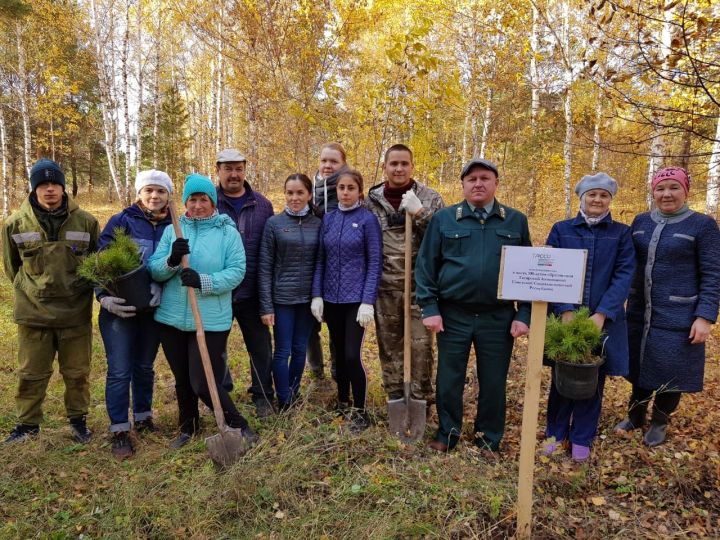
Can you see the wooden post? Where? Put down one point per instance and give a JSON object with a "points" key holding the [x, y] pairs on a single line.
{"points": [[533, 377]]}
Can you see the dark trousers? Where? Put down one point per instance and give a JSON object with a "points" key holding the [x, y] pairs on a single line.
{"points": [[130, 347], [259, 347], [664, 405], [348, 336], [183, 355], [315, 352], [575, 420], [489, 333], [292, 327]]}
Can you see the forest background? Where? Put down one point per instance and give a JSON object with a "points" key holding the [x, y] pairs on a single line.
{"points": [[549, 90]]}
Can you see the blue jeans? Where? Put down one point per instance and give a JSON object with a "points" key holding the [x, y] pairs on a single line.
{"points": [[130, 346], [293, 323], [575, 420]]}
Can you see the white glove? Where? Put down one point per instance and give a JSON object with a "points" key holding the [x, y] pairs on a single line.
{"points": [[365, 315], [316, 307], [410, 202], [156, 292], [114, 305]]}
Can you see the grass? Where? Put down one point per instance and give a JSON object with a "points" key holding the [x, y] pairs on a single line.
{"points": [[310, 478]]}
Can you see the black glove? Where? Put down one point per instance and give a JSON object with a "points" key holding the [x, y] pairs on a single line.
{"points": [[180, 247], [190, 278]]}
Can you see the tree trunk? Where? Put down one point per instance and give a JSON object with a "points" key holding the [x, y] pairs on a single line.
{"points": [[24, 110], [569, 128], [4, 171], [487, 116], [125, 99], [104, 86], [140, 80], [596, 134], [713, 183], [534, 106], [657, 149]]}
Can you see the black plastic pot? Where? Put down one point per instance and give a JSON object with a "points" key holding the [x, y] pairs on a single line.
{"points": [[134, 287], [577, 381]]}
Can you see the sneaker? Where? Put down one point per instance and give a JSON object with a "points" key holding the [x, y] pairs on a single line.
{"points": [[122, 445], [145, 426], [359, 421], [79, 429], [23, 432], [342, 409], [180, 441], [580, 453], [655, 434], [264, 409]]}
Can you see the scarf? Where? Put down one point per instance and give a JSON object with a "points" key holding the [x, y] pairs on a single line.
{"points": [[682, 210], [300, 213], [591, 220], [343, 208], [324, 182]]}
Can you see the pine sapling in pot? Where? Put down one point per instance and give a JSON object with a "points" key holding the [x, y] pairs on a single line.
{"points": [[573, 346], [118, 269]]}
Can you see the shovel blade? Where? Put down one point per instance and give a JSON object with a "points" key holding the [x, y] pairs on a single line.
{"points": [[225, 448], [406, 419]]}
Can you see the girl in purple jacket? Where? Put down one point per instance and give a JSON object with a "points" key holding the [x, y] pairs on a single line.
{"points": [[347, 276]]}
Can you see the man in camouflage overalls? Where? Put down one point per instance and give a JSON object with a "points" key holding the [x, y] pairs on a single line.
{"points": [[389, 201], [43, 244]]}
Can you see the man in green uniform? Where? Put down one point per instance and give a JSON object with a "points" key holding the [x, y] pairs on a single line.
{"points": [[43, 243], [456, 278]]}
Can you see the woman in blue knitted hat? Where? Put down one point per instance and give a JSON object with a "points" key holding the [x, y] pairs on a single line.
{"points": [[610, 267], [217, 265]]}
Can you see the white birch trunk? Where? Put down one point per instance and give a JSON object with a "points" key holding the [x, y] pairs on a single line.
{"points": [[596, 134], [140, 81], [534, 104], [713, 182], [657, 149], [103, 83], [24, 110], [125, 100], [569, 128], [4, 172], [487, 116]]}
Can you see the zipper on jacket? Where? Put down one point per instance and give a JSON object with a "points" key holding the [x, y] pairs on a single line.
{"points": [[342, 227]]}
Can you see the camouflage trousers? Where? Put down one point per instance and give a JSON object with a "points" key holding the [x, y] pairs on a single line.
{"points": [[389, 328], [37, 348]]}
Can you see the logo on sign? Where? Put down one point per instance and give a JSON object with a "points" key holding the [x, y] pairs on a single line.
{"points": [[543, 259]]}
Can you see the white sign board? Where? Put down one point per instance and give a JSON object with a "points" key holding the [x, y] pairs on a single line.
{"points": [[542, 274]]}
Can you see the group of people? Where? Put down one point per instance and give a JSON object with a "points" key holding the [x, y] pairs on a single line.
{"points": [[336, 256]]}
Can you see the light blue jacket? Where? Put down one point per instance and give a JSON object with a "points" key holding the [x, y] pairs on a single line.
{"points": [[217, 254]]}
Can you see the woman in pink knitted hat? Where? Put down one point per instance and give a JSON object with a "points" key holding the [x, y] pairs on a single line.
{"points": [[672, 305]]}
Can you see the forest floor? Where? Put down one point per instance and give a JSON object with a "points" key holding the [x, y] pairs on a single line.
{"points": [[311, 478]]}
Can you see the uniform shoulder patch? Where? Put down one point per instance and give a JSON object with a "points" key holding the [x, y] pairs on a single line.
{"points": [[502, 211], [458, 212]]}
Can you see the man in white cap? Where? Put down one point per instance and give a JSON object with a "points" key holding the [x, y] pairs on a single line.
{"points": [[249, 210]]}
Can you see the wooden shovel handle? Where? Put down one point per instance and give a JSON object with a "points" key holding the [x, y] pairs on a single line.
{"points": [[407, 326], [200, 333]]}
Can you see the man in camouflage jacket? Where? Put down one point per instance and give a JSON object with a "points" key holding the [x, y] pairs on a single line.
{"points": [[389, 201], [43, 244]]}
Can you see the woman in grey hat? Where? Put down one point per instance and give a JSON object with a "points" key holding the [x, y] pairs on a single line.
{"points": [[610, 267]]}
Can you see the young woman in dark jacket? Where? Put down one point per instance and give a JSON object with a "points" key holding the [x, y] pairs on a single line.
{"points": [[344, 289], [131, 339], [288, 251]]}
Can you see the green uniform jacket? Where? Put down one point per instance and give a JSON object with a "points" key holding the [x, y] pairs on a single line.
{"points": [[48, 291], [459, 258]]}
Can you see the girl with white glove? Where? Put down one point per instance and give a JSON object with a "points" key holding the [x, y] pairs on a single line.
{"points": [[347, 276]]}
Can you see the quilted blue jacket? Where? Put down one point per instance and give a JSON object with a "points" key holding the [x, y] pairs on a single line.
{"points": [[217, 254], [349, 263]]}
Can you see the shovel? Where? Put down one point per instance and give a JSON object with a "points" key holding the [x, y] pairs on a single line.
{"points": [[406, 416], [226, 447]]}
